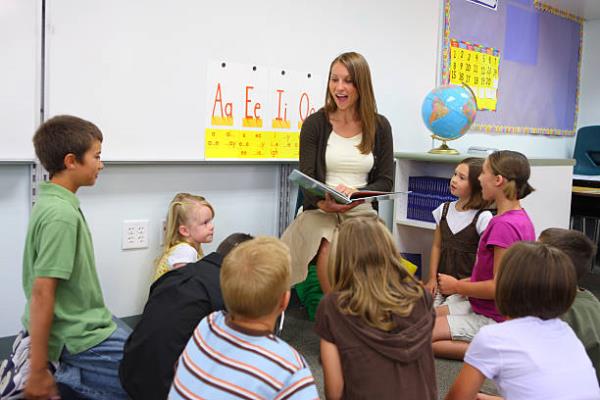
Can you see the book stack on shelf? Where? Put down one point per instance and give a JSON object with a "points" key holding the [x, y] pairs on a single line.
{"points": [[427, 193]]}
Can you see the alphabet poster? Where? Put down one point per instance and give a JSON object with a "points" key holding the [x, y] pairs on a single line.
{"points": [[256, 112]]}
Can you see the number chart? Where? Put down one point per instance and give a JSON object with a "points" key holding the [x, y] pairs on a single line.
{"points": [[477, 67]]}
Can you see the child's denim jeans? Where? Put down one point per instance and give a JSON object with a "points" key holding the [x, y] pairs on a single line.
{"points": [[94, 373]]}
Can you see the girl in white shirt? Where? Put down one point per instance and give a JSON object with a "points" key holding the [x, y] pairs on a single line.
{"points": [[459, 226], [189, 223], [532, 355]]}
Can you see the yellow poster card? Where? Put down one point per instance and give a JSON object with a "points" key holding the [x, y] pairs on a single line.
{"points": [[236, 143], [477, 67]]}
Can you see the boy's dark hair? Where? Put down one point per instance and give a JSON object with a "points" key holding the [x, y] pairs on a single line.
{"points": [[476, 201], [535, 279], [61, 135], [580, 249], [231, 241]]}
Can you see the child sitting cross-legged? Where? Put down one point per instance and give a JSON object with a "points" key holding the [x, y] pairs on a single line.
{"points": [[235, 354], [376, 324], [470, 303], [584, 315], [533, 354], [459, 225]]}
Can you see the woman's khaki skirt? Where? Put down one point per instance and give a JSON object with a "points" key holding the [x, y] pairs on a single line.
{"points": [[304, 235]]}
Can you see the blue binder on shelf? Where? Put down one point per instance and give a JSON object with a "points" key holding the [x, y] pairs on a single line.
{"points": [[426, 194]]}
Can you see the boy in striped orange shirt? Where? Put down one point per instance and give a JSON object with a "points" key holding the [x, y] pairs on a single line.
{"points": [[235, 354]]}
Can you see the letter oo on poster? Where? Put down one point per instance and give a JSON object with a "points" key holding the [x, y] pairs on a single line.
{"points": [[304, 108]]}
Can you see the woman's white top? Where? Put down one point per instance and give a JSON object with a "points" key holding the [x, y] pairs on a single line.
{"points": [[529, 358], [344, 162], [459, 220]]}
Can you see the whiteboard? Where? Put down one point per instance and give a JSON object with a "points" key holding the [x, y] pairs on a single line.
{"points": [[138, 68], [19, 77]]}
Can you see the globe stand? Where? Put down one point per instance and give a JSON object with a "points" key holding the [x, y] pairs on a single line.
{"points": [[443, 149]]}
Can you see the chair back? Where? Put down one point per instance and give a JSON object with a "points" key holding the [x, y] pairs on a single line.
{"points": [[587, 151]]}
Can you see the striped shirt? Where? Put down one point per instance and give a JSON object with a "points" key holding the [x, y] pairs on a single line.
{"points": [[222, 363]]}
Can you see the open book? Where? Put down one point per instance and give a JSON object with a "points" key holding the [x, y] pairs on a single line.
{"points": [[319, 189]]}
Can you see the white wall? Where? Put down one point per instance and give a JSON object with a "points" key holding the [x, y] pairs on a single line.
{"points": [[530, 145], [245, 198], [20, 68], [399, 39], [14, 214], [138, 68], [415, 56], [19, 113], [589, 100]]}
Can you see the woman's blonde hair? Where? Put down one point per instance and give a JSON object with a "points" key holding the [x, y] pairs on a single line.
{"points": [[366, 271], [179, 214], [514, 167], [366, 106]]}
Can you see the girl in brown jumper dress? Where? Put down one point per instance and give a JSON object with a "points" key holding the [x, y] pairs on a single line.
{"points": [[459, 225]]}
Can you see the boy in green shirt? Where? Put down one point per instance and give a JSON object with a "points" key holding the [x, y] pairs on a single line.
{"points": [[65, 314], [584, 315]]}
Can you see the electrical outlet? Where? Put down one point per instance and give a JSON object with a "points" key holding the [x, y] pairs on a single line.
{"points": [[162, 232], [135, 234]]}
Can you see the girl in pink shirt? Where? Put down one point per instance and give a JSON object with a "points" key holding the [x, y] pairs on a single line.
{"points": [[470, 304]]}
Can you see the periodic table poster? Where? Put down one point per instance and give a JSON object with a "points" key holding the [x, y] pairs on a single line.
{"points": [[477, 67]]}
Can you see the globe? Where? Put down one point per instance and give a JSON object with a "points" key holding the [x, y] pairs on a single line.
{"points": [[448, 112]]}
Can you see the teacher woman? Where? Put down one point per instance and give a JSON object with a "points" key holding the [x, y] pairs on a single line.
{"points": [[348, 146]]}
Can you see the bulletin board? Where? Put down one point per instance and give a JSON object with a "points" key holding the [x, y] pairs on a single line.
{"points": [[533, 58]]}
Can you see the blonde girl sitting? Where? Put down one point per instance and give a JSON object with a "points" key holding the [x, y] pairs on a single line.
{"points": [[189, 223]]}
